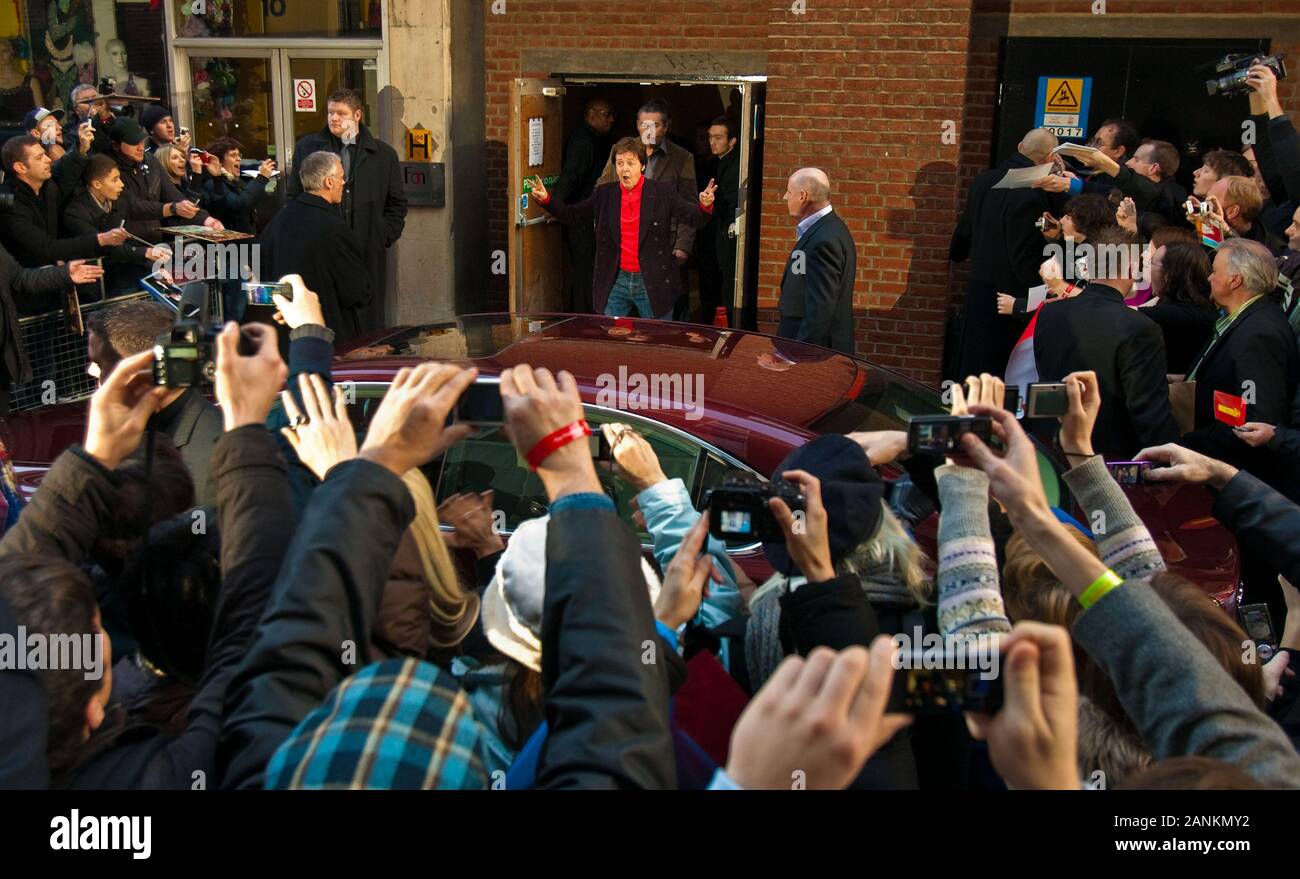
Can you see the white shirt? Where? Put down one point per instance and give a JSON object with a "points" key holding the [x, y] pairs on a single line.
{"points": [[806, 223]]}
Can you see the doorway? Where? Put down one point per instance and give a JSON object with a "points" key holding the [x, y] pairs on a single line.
{"points": [[268, 98], [550, 110]]}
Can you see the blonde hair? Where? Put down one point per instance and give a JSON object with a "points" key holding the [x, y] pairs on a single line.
{"points": [[164, 153], [1030, 588], [891, 549], [449, 602]]}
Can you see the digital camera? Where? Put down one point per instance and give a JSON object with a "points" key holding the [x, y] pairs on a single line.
{"points": [[186, 355], [738, 508], [1233, 69]]}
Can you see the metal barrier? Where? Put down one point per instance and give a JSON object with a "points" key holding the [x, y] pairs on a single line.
{"points": [[58, 356]]}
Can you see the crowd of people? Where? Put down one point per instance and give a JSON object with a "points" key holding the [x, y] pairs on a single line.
{"points": [[318, 629], [95, 202]]}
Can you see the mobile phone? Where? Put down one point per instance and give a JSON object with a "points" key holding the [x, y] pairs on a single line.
{"points": [[1046, 400], [1011, 399], [481, 405], [942, 433], [1258, 623], [969, 681], [1128, 472], [260, 294]]}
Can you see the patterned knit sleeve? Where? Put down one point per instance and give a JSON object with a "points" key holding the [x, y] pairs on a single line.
{"points": [[1123, 541], [970, 600]]}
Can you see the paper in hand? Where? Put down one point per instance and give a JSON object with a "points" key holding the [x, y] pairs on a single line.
{"points": [[1023, 178]]}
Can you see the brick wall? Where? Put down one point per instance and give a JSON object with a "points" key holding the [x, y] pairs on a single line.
{"points": [[861, 90]]}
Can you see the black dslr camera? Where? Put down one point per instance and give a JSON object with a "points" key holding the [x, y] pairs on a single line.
{"points": [[186, 355], [1231, 73], [738, 508]]}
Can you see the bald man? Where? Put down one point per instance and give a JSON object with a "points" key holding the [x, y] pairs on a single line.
{"points": [[817, 288], [997, 232]]}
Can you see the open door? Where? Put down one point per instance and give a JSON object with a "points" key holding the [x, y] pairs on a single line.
{"points": [[536, 126], [745, 228]]}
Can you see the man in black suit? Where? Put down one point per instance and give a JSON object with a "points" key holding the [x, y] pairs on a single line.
{"points": [[578, 176], [374, 202], [817, 288], [1252, 355], [309, 238], [1096, 331], [635, 272], [997, 232], [722, 143]]}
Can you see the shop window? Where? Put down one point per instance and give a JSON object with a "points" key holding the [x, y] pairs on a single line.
{"points": [[278, 18], [48, 46]]}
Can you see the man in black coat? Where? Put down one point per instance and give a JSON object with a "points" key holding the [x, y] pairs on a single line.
{"points": [[638, 277], [817, 287], [98, 209], [722, 143], [30, 291], [578, 176], [1252, 355], [30, 230], [1096, 331], [309, 238], [997, 232], [373, 201]]}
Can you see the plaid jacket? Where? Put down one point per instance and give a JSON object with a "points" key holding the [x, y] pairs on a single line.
{"points": [[397, 724]]}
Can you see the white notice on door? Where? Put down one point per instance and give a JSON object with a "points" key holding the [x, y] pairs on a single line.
{"points": [[534, 141], [304, 96]]}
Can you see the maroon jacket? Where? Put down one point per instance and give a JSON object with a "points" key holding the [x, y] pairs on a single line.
{"points": [[660, 204]]}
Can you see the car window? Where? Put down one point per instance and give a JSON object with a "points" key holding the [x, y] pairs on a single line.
{"points": [[488, 460]]}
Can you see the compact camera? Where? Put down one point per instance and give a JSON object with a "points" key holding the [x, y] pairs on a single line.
{"points": [[1041, 224], [738, 508], [921, 688], [941, 434], [1199, 208]]}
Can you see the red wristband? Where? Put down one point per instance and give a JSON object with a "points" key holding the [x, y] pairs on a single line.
{"points": [[555, 440]]}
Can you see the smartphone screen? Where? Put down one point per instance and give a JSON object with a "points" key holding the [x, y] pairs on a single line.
{"points": [[1128, 472], [260, 294]]}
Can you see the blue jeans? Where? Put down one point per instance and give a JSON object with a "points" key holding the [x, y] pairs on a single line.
{"points": [[628, 297]]}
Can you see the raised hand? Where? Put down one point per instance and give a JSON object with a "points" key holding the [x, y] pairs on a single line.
{"points": [[246, 386], [707, 196], [320, 433], [539, 189], [807, 537], [303, 308], [687, 576], [634, 458], [120, 409], [817, 720], [409, 427], [538, 404], [1083, 396]]}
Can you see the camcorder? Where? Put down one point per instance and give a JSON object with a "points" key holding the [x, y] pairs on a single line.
{"points": [[738, 508], [186, 355], [920, 688], [1232, 70]]}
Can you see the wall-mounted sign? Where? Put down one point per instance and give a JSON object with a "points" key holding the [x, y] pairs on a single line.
{"points": [[1062, 105], [304, 95]]}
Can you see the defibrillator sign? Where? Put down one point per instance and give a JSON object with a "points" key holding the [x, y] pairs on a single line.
{"points": [[1062, 105]]}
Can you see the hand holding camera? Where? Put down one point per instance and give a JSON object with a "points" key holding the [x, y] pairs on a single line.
{"points": [[1049, 226], [823, 716], [687, 578], [1183, 465], [1126, 215], [267, 168], [1033, 739], [320, 433], [540, 408], [1083, 402], [302, 308], [409, 427], [120, 410], [634, 458], [806, 537], [250, 373]]}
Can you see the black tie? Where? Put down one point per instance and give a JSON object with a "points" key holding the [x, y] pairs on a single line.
{"points": [[349, 149]]}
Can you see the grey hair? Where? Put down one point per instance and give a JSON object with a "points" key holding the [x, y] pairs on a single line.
{"points": [[315, 168], [78, 88], [1253, 262]]}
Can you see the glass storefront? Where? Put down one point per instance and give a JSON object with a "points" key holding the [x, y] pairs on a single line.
{"points": [[48, 46], [278, 19]]}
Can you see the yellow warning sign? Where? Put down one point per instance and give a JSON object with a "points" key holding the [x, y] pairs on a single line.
{"points": [[419, 145], [1063, 95]]}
